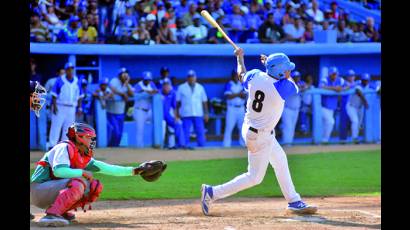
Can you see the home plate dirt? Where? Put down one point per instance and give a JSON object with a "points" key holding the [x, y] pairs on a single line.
{"points": [[229, 214]]}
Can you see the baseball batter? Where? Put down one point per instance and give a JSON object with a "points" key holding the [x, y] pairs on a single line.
{"points": [[267, 94]]}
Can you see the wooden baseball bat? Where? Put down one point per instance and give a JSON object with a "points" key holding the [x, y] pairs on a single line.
{"points": [[212, 21]]}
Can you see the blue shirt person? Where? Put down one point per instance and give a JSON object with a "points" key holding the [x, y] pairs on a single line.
{"points": [[70, 33], [170, 105], [329, 103]]}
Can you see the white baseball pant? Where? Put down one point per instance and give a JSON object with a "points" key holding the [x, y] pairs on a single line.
{"points": [[140, 117], [234, 116], [263, 149], [289, 120], [328, 123], [354, 116], [62, 120]]}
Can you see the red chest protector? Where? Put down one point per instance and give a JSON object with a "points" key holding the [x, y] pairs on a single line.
{"points": [[77, 160]]}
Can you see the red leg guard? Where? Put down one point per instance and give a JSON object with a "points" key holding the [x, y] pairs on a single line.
{"points": [[67, 197]]}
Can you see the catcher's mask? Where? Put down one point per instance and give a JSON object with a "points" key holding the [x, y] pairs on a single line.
{"points": [[37, 99], [79, 133]]}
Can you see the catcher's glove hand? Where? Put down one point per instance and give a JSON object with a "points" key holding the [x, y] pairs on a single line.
{"points": [[150, 170]]}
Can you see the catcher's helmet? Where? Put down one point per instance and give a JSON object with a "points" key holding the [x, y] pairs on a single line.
{"points": [[37, 94], [277, 64], [78, 132]]}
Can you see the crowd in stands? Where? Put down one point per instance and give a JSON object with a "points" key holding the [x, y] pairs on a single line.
{"points": [[179, 22], [186, 104]]}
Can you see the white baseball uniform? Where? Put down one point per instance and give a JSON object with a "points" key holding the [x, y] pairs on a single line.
{"points": [[264, 108], [355, 110], [235, 112]]}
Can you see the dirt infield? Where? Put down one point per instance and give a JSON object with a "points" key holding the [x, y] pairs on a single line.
{"points": [[229, 214], [129, 155]]}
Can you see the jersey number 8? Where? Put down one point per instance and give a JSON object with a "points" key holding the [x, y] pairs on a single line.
{"points": [[257, 102]]}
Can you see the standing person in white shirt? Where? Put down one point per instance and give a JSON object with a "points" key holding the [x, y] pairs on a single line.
{"points": [[315, 12], [66, 101], [355, 104], [235, 113], [192, 108], [267, 94], [144, 90], [196, 33]]}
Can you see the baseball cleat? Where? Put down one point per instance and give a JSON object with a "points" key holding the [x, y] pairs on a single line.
{"points": [[32, 216], [300, 207], [53, 221], [69, 216], [206, 198]]}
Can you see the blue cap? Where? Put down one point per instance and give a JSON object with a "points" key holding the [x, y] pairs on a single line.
{"points": [[74, 18], [196, 15], [333, 70], [69, 65], [351, 72], [147, 75], [296, 74], [122, 70], [104, 81], [84, 81], [160, 4], [277, 64], [164, 68], [191, 73], [365, 76]]}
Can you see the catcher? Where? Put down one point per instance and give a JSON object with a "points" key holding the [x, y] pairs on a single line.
{"points": [[63, 179]]}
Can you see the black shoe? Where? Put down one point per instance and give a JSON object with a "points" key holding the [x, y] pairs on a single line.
{"points": [[68, 216], [32, 216], [188, 148], [172, 148]]}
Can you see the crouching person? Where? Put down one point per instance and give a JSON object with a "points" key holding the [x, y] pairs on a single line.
{"points": [[63, 179]]}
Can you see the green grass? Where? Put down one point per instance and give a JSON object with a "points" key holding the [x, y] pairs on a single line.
{"points": [[325, 174]]}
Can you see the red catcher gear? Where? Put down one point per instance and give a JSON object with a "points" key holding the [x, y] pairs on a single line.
{"points": [[68, 197], [95, 190], [78, 132]]}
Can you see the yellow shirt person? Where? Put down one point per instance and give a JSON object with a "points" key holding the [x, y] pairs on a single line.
{"points": [[87, 34]]}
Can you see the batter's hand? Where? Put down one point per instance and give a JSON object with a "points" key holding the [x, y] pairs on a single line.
{"points": [[263, 58], [238, 52], [88, 175]]}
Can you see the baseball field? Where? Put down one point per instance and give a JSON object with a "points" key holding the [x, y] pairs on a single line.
{"points": [[344, 181]]}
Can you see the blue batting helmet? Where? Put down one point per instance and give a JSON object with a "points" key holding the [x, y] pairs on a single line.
{"points": [[365, 76], [147, 75], [277, 64]]}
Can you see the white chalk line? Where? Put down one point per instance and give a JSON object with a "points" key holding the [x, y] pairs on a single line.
{"points": [[360, 211]]}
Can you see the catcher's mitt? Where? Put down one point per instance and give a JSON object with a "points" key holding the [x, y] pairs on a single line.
{"points": [[151, 170]]}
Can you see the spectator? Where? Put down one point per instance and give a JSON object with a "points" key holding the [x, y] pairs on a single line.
{"points": [[152, 28], [218, 11], [141, 34], [329, 103], [87, 34], [180, 32], [289, 13], [53, 22], [34, 76], [87, 115], [342, 34], [308, 35], [172, 20], [189, 16], [257, 7], [164, 77], [144, 90], [315, 13], [236, 23], [278, 13], [334, 11], [105, 15], [70, 34], [66, 104], [306, 109], [116, 107], [370, 30], [164, 33], [214, 36], [344, 119], [294, 30], [128, 21], [103, 93], [196, 33], [269, 32], [192, 107], [182, 9], [355, 104], [169, 102], [358, 34], [38, 32], [291, 111], [235, 113], [253, 21], [267, 8], [160, 12]]}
